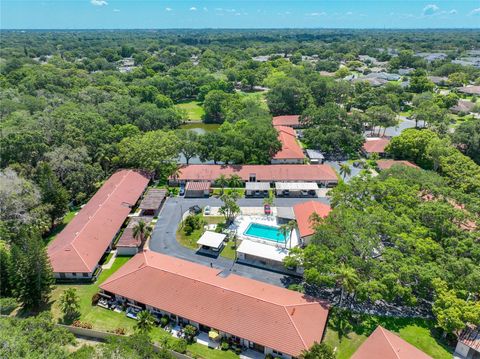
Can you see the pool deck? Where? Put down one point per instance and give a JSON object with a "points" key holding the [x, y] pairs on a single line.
{"points": [[244, 220]]}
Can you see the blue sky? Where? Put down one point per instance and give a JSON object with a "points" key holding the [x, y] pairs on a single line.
{"points": [[141, 14]]}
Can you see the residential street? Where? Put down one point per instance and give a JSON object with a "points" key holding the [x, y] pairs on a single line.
{"points": [[163, 238]]}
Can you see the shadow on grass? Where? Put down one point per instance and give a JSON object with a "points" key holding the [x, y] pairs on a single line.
{"points": [[345, 322]]}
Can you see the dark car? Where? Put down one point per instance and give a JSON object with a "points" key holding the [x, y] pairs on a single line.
{"points": [[195, 209], [182, 191]]}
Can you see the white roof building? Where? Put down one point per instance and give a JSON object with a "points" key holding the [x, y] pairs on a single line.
{"points": [[260, 250], [211, 239]]}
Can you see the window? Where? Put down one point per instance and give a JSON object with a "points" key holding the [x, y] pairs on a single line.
{"points": [[62, 275], [85, 274], [74, 274], [277, 352]]}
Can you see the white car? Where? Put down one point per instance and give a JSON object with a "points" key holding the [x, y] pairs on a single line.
{"points": [[206, 210]]}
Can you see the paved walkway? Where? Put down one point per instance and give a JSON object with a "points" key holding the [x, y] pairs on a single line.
{"points": [[163, 238], [109, 264]]}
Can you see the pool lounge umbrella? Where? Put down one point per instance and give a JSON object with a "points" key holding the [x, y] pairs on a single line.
{"points": [[212, 334]]}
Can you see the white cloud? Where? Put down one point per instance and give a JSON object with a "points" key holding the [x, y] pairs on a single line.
{"points": [[168, 9], [430, 9], [98, 2], [116, 10], [475, 12], [193, 8], [205, 9], [452, 12], [287, 12], [317, 13], [349, 13]]}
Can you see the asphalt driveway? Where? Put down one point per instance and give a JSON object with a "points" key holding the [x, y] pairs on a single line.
{"points": [[163, 239]]}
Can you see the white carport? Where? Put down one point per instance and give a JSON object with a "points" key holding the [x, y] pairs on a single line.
{"points": [[257, 188], [212, 240], [293, 189], [266, 254]]}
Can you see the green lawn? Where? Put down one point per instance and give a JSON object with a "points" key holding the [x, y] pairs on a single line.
{"points": [[193, 109], [59, 227], [218, 191], [417, 332], [229, 250], [190, 241]]}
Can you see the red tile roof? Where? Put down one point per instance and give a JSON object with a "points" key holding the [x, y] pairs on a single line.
{"points": [[303, 212], [290, 147], [470, 89], [263, 173], [375, 145], [383, 344], [127, 239], [153, 199], [198, 186], [386, 164], [81, 244], [287, 120], [470, 336], [271, 316]]}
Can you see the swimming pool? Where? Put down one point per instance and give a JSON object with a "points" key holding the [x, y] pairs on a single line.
{"points": [[263, 231]]}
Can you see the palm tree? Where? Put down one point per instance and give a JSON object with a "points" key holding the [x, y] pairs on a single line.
{"points": [[286, 230], [345, 170], [222, 181], [69, 303], [291, 226], [145, 322], [347, 279], [175, 173], [141, 231], [235, 181]]}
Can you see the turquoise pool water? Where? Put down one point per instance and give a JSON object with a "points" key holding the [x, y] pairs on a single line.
{"points": [[263, 231]]}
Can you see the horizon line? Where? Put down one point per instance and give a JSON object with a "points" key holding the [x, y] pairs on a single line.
{"points": [[240, 28]]}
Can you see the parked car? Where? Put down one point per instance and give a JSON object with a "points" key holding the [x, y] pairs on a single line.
{"points": [[286, 192], [267, 209], [196, 209], [132, 312], [304, 193], [207, 210], [182, 190]]}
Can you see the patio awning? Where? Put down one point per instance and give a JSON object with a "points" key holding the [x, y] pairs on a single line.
{"points": [[261, 250], [257, 186], [285, 212], [211, 239], [296, 186], [212, 334]]}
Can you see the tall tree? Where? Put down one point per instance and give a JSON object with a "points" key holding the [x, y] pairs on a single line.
{"points": [[52, 192], [345, 170], [347, 279], [145, 322], [222, 181], [31, 272], [70, 304], [318, 351], [141, 231]]}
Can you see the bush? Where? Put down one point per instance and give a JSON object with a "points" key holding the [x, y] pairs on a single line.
{"points": [[180, 346], [164, 321], [95, 298], [84, 325], [7, 305], [190, 331], [188, 229], [120, 331], [224, 346]]}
